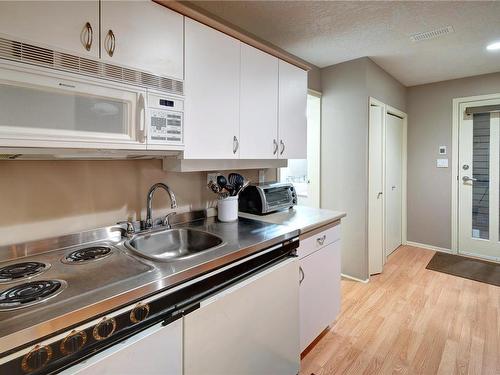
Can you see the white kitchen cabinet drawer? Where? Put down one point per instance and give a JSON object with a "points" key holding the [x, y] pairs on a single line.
{"points": [[318, 240], [319, 292]]}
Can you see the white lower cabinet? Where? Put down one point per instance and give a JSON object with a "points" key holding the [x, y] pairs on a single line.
{"points": [[319, 291], [250, 328], [154, 351]]}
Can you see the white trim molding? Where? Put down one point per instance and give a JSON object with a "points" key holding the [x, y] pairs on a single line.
{"points": [[429, 247], [354, 278]]}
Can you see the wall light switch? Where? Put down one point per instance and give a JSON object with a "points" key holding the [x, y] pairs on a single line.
{"points": [[442, 163], [442, 150]]}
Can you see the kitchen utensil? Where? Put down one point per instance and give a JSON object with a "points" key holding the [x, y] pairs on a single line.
{"points": [[242, 187], [221, 181], [214, 187], [236, 179]]}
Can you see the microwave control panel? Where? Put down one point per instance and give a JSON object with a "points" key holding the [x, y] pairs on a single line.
{"points": [[165, 117]]}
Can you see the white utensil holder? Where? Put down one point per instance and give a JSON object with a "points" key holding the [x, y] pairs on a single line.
{"points": [[227, 209]]}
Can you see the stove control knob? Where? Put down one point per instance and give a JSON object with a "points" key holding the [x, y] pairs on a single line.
{"points": [[36, 358], [139, 313], [104, 329], [73, 342]]}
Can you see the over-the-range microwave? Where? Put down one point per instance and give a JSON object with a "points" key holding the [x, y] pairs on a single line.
{"points": [[43, 108]]}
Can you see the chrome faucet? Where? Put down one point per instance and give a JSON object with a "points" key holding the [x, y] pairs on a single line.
{"points": [[149, 215]]}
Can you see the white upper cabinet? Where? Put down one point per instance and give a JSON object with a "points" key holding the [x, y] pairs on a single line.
{"points": [[258, 104], [292, 127], [142, 35], [212, 89], [69, 26]]}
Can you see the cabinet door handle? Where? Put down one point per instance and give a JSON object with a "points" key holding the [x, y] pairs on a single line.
{"points": [[282, 147], [275, 146], [321, 240], [112, 43], [302, 275], [90, 36], [236, 144]]}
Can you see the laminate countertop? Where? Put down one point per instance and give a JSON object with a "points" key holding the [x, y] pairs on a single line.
{"points": [[302, 218]]}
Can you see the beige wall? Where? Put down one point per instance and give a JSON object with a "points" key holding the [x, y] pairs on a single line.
{"points": [[346, 90], [429, 126], [314, 79], [48, 198]]}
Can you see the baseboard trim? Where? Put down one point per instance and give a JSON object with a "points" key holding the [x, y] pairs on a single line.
{"points": [[354, 278], [429, 247]]}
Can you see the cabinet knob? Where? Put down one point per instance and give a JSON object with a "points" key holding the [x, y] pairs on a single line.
{"points": [[104, 329], [321, 240], [36, 358]]}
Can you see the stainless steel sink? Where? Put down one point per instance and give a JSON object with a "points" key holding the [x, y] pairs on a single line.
{"points": [[172, 244]]}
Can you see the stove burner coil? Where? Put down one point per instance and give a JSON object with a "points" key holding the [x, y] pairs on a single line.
{"points": [[22, 270], [87, 254], [31, 293]]}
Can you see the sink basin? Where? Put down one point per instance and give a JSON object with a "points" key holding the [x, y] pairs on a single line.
{"points": [[172, 244]]}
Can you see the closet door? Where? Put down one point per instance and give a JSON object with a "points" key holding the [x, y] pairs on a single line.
{"points": [[394, 182]]}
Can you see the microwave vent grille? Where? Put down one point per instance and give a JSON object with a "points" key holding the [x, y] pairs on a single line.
{"points": [[31, 54]]}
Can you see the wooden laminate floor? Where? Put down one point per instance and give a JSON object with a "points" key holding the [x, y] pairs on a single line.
{"points": [[410, 320]]}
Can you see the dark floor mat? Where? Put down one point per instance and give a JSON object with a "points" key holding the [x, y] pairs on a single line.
{"points": [[468, 268]]}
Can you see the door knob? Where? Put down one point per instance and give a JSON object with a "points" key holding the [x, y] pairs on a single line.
{"points": [[467, 179]]}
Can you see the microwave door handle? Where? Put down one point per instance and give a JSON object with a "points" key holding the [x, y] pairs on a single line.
{"points": [[142, 118]]}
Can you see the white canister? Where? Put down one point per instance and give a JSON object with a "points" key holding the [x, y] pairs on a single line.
{"points": [[227, 209]]}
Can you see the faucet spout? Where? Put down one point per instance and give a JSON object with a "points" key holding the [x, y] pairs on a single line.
{"points": [[149, 202]]}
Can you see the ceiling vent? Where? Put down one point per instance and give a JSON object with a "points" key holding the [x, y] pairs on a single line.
{"points": [[432, 34]]}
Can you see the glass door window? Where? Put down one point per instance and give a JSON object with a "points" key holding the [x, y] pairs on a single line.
{"points": [[479, 176]]}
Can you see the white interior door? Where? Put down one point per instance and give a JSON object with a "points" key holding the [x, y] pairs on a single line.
{"points": [[478, 175], [376, 188], [393, 182]]}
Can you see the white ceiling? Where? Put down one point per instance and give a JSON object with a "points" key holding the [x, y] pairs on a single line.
{"points": [[329, 32]]}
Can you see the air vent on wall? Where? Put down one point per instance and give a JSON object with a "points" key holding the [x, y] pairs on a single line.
{"points": [[432, 34], [27, 53]]}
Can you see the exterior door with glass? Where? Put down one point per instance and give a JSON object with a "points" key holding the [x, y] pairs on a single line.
{"points": [[478, 179]]}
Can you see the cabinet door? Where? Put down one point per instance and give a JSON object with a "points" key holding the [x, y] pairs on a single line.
{"points": [[251, 328], [292, 112], [154, 351], [143, 35], [212, 93], [61, 25], [319, 292], [258, 104]]}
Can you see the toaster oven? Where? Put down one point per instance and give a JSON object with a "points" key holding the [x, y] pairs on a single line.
{"points": [[265, 198]]}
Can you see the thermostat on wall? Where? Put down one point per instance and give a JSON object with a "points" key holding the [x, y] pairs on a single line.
{"points": [[442, 163], [442, 150]]}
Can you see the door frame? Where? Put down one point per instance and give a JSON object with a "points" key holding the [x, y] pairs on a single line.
{"points": [[387, 109], [455, 143]]}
